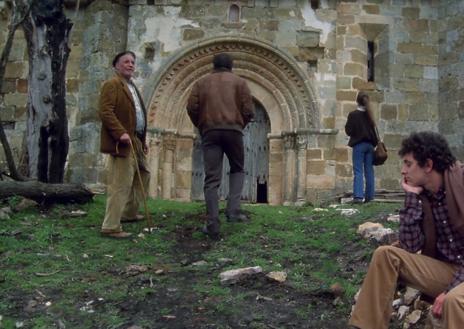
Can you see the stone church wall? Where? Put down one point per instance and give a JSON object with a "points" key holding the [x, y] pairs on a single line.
{"points": [[417, 85], [451, 74]]}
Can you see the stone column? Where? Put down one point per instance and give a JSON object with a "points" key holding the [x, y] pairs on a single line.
{"points": [[290, 168], [301, 143], [169, 145], [276, 168], [154, 153], [183, 173]]}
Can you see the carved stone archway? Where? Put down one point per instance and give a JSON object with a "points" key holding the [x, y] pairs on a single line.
{"points": [[276, 81]]}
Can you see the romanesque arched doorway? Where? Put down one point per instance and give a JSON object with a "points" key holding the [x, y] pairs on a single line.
{"points": [[256, 146], [278, 84]]}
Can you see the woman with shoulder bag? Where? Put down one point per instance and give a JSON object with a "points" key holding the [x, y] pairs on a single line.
{"points": [[360, 127]]}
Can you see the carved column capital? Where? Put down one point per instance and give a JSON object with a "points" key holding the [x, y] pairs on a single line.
{"points": [[301, 142], [289, 142]]}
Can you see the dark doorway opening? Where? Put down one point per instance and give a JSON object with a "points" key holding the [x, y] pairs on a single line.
{"points": [[261, 192]]}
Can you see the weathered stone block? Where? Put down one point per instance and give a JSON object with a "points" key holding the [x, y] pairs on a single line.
{"points": [[426, 59], [358, 56], [393, 140], [15, 70], [356, 42], [389, 112], [341, 29], [307, 39], [343, 82], [270, 25], [371, 9], [344, 170], [341, 154], [431, 72], [72, 85], [15, 99], [355, 30], [183, 179], [316, 167], [389, 183], [348, 8], [320, 181], [22, 86], [410, 12], [20, 113], [328, 154], [413, 71], [329, 123], [419, 112], [418, 24], [345, 19], [361, 84], [403, 112], [8, 112], [355, 69], [417, 48], [346, 95], [413, 97], [406, 84], [192, 33], [326, 14], [314, 154], [9, 86]]}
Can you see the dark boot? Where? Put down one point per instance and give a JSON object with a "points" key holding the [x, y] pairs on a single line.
{"points": [[233, 212], [212, 202], [212, 228]]}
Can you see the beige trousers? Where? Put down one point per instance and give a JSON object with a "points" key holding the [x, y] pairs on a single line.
{"points": [[124, 193], [390, 264]]}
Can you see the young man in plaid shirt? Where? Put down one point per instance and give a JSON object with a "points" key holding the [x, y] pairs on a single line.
{"points": [[432, 222]]}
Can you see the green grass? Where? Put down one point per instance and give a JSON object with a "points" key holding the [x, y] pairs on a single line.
{"points": [[52, 257]]}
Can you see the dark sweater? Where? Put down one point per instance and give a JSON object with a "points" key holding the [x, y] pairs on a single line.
{"points": [[359, 129]]}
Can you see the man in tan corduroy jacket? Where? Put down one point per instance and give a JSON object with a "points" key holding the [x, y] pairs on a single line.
{"points": [[124, 125]]}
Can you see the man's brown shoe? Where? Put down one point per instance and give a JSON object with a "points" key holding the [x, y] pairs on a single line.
{"points": [[117, 235], [137, 218]]}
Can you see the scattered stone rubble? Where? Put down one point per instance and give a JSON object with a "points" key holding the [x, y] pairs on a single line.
{"points": [[376, 231], [240, 274], [5, 213], [236, 275]]}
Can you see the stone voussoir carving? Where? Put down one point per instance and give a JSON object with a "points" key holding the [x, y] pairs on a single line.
{"points": [[276, 71]]}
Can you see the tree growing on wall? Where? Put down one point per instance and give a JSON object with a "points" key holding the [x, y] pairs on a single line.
{"points": [[46, 30], [19, 12]]}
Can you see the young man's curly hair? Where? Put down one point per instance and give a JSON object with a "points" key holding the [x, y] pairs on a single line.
{"points": [[428, 145]]}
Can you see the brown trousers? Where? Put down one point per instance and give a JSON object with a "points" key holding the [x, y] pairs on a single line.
{"points": [[124, 192], [390, 264]]}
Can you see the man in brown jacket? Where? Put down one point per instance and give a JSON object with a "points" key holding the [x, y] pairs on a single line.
{"points": [[123, 134], [432, 221], [220, 106]]}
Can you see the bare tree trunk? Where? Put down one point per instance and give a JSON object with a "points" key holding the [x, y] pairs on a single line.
{"points": [[47, 29], [20, 11]]}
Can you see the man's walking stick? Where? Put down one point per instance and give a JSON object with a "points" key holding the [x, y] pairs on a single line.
{"points": [[147, 215]]}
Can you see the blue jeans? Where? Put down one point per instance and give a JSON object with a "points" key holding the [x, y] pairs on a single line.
{"points": [[363, 156]]}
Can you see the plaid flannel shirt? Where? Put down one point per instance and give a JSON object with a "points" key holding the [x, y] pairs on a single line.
{"points": [[450, 244]]}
